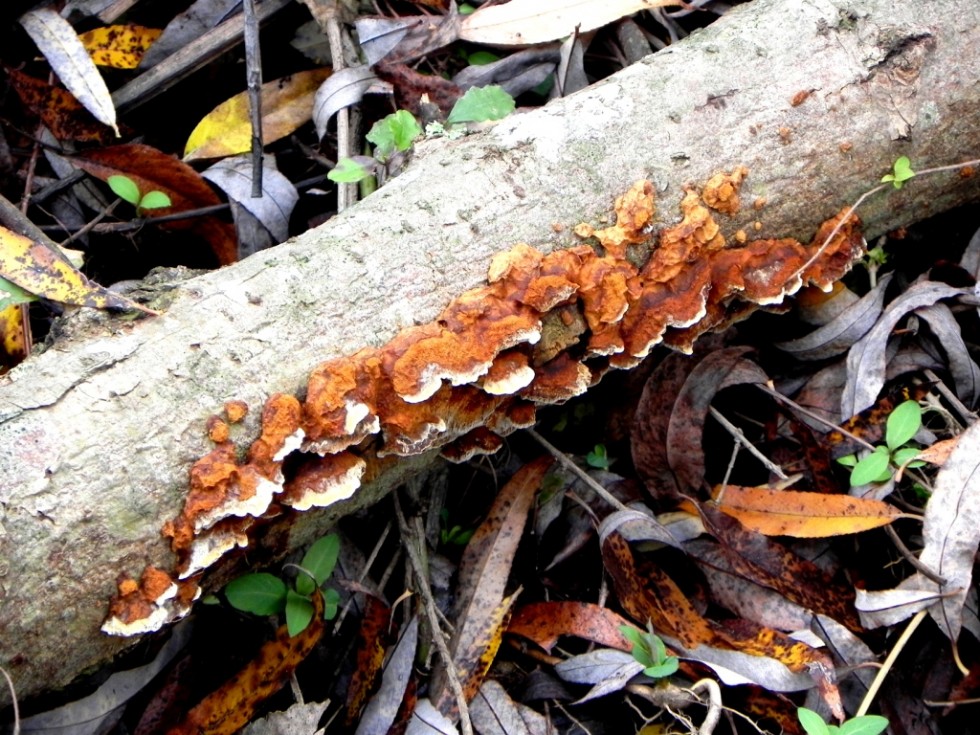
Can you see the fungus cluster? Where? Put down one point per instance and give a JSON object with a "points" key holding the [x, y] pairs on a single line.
{"points": [[542, 330]]}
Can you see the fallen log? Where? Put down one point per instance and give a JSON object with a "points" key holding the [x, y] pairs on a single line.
{"points": [[98, 432]]}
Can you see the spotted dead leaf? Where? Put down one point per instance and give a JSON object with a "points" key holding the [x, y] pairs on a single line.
{"points": [[544, 622], [802, 514], [119, 46], [481, 610], [765, 562], [370, 656], [40, 271], [58, 109], [59, 43], [229, 708]]}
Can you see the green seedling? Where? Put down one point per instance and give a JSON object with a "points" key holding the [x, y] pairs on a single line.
{"points": [[455, 535], [863, 725], [599, 458], [881, 464], [266, 594], [127, 189], [650, 651], [901, 172], [397, 132]]}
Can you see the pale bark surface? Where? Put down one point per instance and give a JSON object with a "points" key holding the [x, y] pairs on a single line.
{"points": [[97, 433]]}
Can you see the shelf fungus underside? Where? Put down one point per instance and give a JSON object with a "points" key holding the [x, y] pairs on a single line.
{"points": [[542, 330]]}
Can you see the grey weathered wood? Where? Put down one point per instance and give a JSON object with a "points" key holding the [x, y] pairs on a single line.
{"points": [[98, 431]]}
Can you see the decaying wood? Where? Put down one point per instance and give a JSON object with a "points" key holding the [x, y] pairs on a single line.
{"points": [[97, 433]]}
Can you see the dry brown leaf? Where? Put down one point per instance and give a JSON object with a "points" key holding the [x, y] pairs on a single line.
{"points": [[481, 609], [801, 514], [521, 22]]}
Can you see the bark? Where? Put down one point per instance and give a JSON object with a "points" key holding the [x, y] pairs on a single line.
{"points": [[98, 431]]}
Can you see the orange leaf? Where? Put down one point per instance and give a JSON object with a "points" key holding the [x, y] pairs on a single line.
{"points": [[370, 656], [229, 708], [801, 514], [544, 622], [120, 46]]}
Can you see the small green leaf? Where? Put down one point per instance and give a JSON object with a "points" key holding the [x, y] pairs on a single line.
{"points": [[812, 722], [321, 558], [299, 612], [480, 104], [331, 600], [260, 594], [901, 172], [348, 172], [394, 132], [154, 200], [11, 294], [848, 460], [906, 455], [124, 188], [902, 424], [871, 468], [662, 670], [598, 458], [864, 725], [481, 58]]}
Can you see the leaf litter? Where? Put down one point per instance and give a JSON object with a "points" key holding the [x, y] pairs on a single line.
{"points": [[746, 579]]}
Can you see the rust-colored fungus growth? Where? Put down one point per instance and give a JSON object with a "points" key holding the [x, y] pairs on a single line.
{"points": [[544, 328]]}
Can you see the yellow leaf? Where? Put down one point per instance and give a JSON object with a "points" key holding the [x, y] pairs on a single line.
{"points": [[803, 515], [119, 47], [37, 269], [13, 337], [287, 103]]}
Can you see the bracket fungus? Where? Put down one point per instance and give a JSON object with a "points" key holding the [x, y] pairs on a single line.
{"points": [[544, 328]]}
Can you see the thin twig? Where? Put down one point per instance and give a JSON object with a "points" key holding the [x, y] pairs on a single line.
{"points": [[253, 77], [769, 390], [912, 558], [577, 471], [740, 439], [13, 699], [410, 541], [967, 416], [889, 662]]}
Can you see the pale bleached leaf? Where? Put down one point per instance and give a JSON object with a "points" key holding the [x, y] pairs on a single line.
{"points": [[516, 73], [274, 208], [970, 260], [427, 720], [299, 719], [98, 711], [735, 668], [524, 22], [342, 89], [951, 532], [64, 51], [493, 712], [836, 336], [878, 608], [606, 669], [965, 372], [867, 359], [379, 715], [636, 525]]}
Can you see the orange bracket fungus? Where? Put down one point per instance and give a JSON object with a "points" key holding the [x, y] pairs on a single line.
{"points": [[544, 328]]}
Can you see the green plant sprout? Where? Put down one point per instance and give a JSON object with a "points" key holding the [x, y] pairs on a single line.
{"points": [[901, 172], [455, 535], [650, 651], [879, 466], [598, 458], [262, 593], [395, 133], [127, 189], [863, 725]]}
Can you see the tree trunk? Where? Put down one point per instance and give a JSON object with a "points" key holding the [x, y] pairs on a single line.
{"points": [[98, 432]]}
